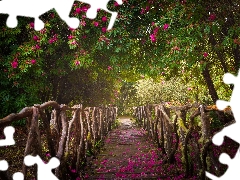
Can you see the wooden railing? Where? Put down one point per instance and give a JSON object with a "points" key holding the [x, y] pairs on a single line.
{"points": [[70, 133], [174, 128]]}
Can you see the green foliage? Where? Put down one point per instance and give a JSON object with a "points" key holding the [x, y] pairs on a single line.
{"points": [[115, 124], [91, 66], [175, 91]]}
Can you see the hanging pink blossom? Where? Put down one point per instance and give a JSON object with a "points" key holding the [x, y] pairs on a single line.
{"points": [[104, 29], [153, 37], [74, 42], [71, 29], [83, 23], [35, 38], [33, 61], [43, 31], [155, 30], [77, 62], [70, 37], [147, 8], [96, 24], [31, 25], [142, 11], [116, 4], [165, 27], [78, 11], [37, 46], [50, 41], [84, 9], [14, 64], [109, 68], [104, 18], [212, 17], [205, 54]]}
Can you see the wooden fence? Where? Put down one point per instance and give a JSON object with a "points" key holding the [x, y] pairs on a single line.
{"points": [[71, 133], [172, 127]]}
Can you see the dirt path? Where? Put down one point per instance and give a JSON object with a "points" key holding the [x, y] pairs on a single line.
{"points": [[128, 154]]}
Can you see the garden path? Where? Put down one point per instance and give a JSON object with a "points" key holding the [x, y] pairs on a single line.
{"points": [[129, 154]]}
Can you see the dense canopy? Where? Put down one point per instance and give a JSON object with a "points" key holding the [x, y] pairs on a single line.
{"points": [[194, 42]]}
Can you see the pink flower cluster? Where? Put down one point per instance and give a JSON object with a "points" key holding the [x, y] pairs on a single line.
{"points": [[145, 10], [205, 54], [79, 10], [14, 64], [153, 36], [212, 17], [53, 39], [77, 62], [165, 27]]}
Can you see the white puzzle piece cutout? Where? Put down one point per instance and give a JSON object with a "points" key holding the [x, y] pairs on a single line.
{"points": [[36, 8], [3, 165], [233, 167], [44, 170], [232, 131], [8, 132]]}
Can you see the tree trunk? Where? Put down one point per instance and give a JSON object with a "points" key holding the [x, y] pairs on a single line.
{"points": [[210, 85]]}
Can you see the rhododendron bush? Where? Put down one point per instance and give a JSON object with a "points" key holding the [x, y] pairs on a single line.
{"points": [[191, 39]]}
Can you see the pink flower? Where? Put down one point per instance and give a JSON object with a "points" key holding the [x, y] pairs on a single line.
{"points": [[142, 11], [165, 27], [77, 62], [189, 88], [43, 31], [109, 68], [33, 61], [84, 9], [95, 23], [14, 64], [48, 155], [70, 37], [31, 25], [104, 18], [35, 38], [83, 23], [116, 4], [153, 23], [153, 37], [84, 36], [205, 54], [156, 30], [73, 170], [104, 29], [74, 42], [51, 41], [212, 17], [37, 46], [78, 11], [71, 29]]}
